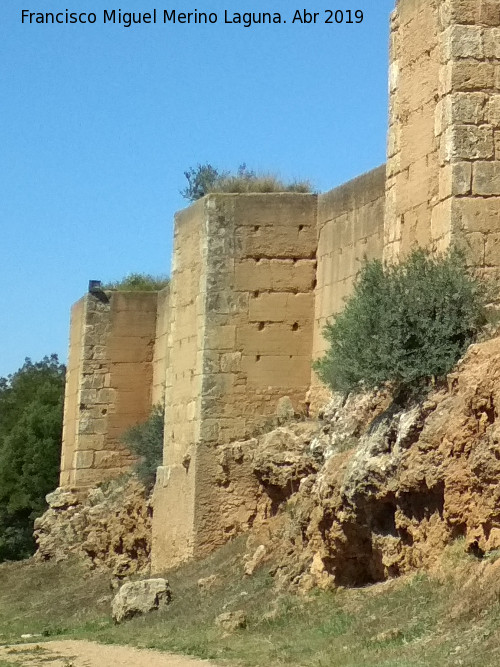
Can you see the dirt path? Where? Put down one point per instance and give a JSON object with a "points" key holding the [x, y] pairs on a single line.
{"points": [[88, 654]]}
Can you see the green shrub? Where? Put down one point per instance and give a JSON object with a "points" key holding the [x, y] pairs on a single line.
{"points": [[146, 441], [205, 179], [200, 180], [404, 324], [138, 282]]}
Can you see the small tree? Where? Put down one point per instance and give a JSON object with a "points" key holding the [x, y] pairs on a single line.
{"points": [[404, 324], [146, 441], [200, 180]]}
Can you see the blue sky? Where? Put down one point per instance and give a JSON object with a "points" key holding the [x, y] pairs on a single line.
{"points": [[99, 122]]}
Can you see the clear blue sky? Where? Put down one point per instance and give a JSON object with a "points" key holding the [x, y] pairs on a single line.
{"points": [[99, 122]]}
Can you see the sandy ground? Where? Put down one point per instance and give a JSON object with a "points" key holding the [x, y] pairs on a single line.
{"points": [[88, 654]]}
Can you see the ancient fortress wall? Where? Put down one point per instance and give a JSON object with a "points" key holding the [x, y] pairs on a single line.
{"points": [[256, 277], [161, 347], [350, 227], [241, 335], [412, 147], [443, 170], [109, 383], [469, 127]]}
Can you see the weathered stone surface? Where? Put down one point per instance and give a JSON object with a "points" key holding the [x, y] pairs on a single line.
{"points": [[256, 560], [416, 480], [230, 621], [108, 529], [486, 178], [61, 499], [140, 597]]}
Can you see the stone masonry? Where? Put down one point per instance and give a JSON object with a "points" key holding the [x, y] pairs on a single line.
{"points": [[256, 277], [109, 382], [241, 322]]}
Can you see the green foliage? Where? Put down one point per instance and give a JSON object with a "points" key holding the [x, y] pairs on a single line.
{"points": [[404, 324], [146, 441], [205, 179], [31, 409], [200, 181], [138, 282]]}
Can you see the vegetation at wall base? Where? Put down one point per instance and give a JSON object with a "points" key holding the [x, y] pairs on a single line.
{"points": [[145, 440], [138, 282], [446, 618], [404, 324], [31, 411], [205, 179]]}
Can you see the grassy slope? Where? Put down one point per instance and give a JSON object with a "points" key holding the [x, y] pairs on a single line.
{"points": [[431, 620]]}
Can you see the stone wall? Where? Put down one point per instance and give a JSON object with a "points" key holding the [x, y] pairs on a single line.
{"points": [[412, 148], [161, 347], [350, 226], [243, 317], [468, 125], [443, 167], [109, 383], [173, 531], [241, 337]]}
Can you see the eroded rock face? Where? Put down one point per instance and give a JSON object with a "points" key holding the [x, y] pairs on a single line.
{"points": [[108, 528], [140, 597], [415, 481]]}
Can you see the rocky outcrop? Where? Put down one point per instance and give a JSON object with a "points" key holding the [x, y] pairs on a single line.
{"points": [[366, 492], [140, 597], [109, 526], [412, 483]]}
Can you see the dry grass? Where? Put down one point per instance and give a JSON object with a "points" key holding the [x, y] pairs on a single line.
{"points": [[443, 619], [138, 282], [262, 183]]}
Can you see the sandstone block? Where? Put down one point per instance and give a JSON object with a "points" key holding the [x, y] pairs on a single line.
{"points": [[280, 275], [474, 246], [493, 110], [492, 250], [110, 459], [455, 179], [466, 108], [468, 142], [465, 75], [230, 362], [83, 459], [492, 43], [489, 12], [486, 178], [440, 219], [461, 11], [478, 214], [462, 41], [140, 597]]}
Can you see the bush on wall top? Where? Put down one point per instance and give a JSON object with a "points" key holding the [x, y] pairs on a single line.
{"points": [[205, 179], [404, 324], [138, 282]]}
